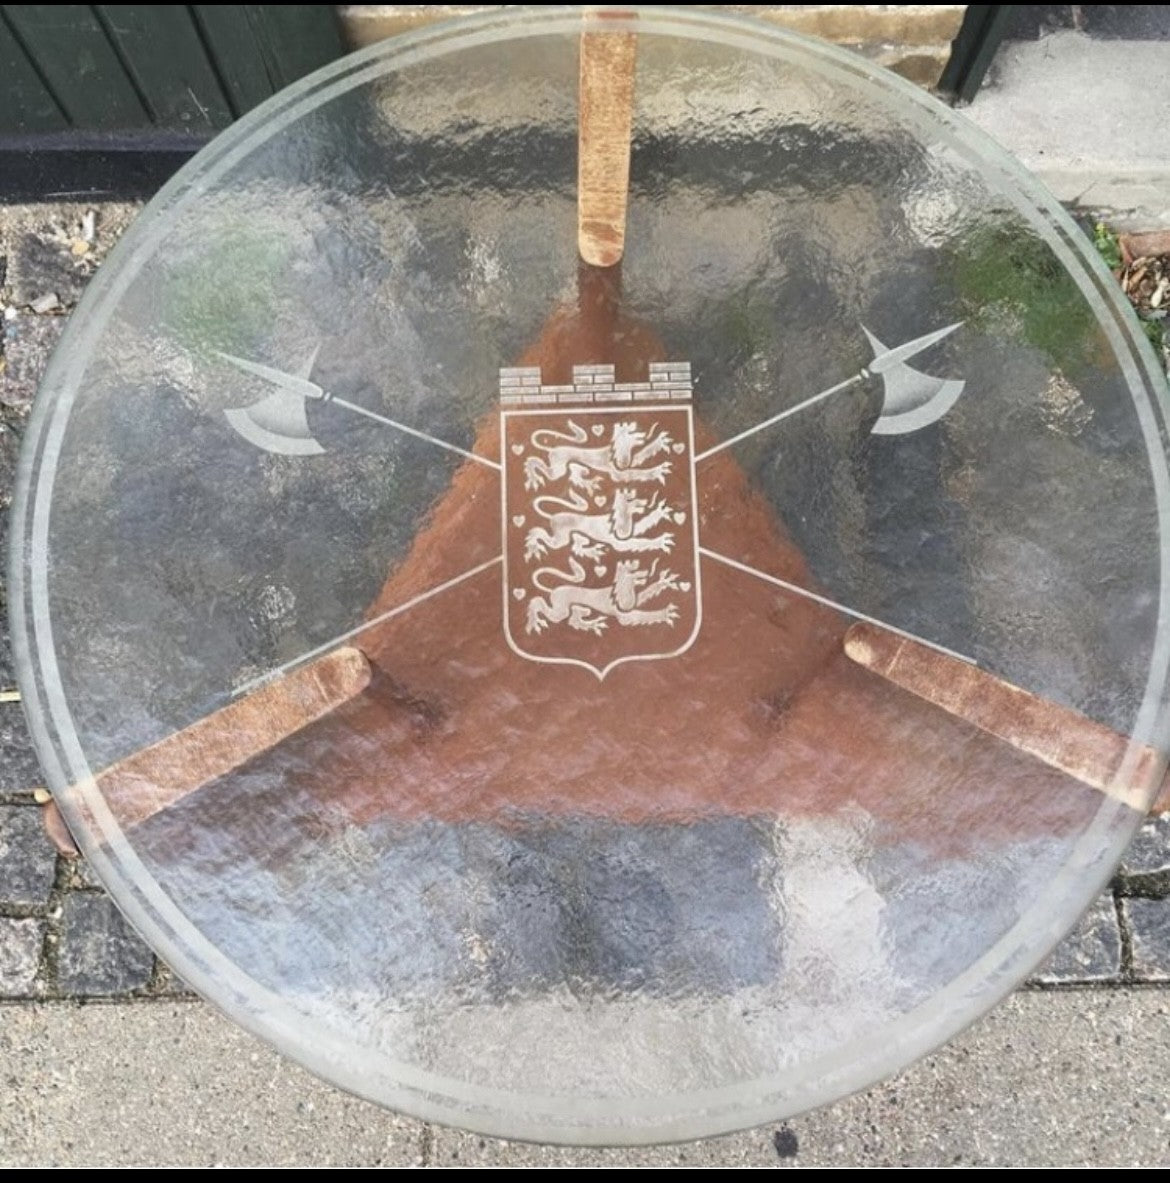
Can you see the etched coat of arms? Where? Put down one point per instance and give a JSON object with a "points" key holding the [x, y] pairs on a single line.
{"points": [[601, 549], [599, 517]]}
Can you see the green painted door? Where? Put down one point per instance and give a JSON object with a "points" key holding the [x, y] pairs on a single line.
{"points": [[130, 67]]}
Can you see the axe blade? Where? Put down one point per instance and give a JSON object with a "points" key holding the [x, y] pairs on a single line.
{"points": [[278, 423], [910, 399]]}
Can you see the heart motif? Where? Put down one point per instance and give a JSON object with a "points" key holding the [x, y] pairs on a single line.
{"points": [[599, 502], [600, 572], [685, 586], [518, 593], [678, 449], [519, 520], [679, 518], [599, 429], [517, 449]]}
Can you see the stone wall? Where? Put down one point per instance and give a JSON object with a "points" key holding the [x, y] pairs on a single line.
{"points": [[913, 40]]}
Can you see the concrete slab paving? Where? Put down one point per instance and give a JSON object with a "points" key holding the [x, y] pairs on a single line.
{"points": [[1061, 1078], [1084, 116]]}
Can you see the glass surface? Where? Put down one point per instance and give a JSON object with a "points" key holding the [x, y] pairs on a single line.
{"points": [[628, 837]]}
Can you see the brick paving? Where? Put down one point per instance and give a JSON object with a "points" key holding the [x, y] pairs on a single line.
{"points": [[60, 936]]}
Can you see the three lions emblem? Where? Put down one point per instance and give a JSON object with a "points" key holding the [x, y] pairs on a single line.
{"points": [[601, 553]]}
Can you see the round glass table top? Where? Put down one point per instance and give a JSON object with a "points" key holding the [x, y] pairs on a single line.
{"points": [[600, 704]]}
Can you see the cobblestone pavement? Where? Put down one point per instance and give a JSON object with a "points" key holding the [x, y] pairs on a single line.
{"points": [[60, 936]]}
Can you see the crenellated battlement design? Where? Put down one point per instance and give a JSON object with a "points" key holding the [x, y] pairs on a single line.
{"points": [[669, 381]]}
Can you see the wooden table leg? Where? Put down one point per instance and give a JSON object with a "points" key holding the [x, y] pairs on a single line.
{"points": [[1056, 735], [147, 782], [605, 125]]}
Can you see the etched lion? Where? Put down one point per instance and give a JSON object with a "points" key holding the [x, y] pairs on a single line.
{"points": [[622, 458], [623, 527], [589, 609]]}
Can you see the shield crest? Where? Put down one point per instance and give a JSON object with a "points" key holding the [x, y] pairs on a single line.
{"points": [[599, 517]]}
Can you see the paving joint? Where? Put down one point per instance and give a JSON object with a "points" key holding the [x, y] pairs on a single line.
{"points": [[1149, 885], [426, 1146], [48, 970], [1126, 938], [76, 1001]]}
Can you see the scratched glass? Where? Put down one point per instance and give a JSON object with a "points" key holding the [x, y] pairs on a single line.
{"points": [[592, 707]]}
